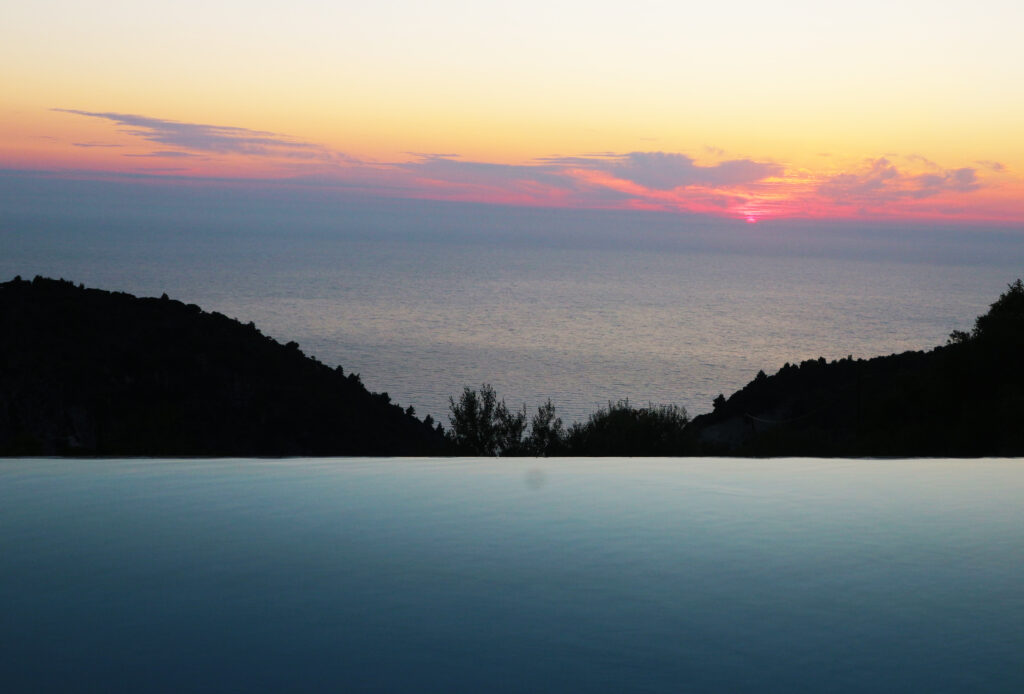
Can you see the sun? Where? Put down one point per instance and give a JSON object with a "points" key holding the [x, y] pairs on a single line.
{"points": [[751, 219]]}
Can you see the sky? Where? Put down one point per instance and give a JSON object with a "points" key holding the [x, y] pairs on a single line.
{"points": [[901, 111]]}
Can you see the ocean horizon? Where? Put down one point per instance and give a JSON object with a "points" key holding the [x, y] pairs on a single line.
{"points": [[423, 298]]}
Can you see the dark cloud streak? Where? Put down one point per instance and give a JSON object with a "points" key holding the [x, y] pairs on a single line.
{"points": [[169, 154], [669, 170], [217, 139], [95, 144]]}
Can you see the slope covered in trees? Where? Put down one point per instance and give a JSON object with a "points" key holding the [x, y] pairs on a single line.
{"points": [[91, 372], [962, 399]]}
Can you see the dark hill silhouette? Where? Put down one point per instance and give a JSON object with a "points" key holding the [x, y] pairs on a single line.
{"points": [[962, 399], [92, 372]]}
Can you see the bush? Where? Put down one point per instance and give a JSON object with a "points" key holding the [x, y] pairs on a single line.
{"points": [[547, 435], [481, 425], [624, 430]]}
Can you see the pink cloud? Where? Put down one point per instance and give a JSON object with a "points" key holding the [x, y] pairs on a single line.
{"points": [[674, 181]]}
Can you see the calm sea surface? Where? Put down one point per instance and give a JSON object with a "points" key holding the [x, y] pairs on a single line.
{"points": [[582, 307], [470, 575]]}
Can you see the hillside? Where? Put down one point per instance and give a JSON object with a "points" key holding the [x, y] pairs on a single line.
{"points": [[92, 372], [962, 399]]}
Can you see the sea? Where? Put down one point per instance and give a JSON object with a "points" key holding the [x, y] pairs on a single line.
{"points": [[425, 298], [511, 575]]}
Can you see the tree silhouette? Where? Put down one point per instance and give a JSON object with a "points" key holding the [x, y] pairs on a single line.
{"points": [[547, 435], [1005, 318], [624, 430], [483, 425]]}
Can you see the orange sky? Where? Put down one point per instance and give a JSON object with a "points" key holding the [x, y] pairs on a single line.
{"points": [[743, 110]]}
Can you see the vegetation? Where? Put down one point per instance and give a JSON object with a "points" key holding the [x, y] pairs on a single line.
{"points": [[1003, 325], [483, 425], [962, 399], [623, 430], [91, 372]]}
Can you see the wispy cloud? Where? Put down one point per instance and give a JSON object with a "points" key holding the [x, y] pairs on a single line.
{"points": [[165, 169], [883, 182], [920, 159], [997, 166], [662, 171], [675, 181], [217, 139], [167, 154], [446, 175], [681, 181], [960, 180], [651, 180], [667, 171], [447, 168], [95, 144]]}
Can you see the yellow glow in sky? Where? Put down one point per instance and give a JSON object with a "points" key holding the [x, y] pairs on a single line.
{"points": [[362, 92]]}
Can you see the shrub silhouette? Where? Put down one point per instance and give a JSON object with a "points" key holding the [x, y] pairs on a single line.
{"points": [[1005, 319], [624, 430], [547, 435], [483, 425]]}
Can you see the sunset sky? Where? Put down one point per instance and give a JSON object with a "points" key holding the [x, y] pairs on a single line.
{"points": [[752, 110]]}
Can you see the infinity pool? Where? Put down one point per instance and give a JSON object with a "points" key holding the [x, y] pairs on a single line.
{"points": [[483, 575]]}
